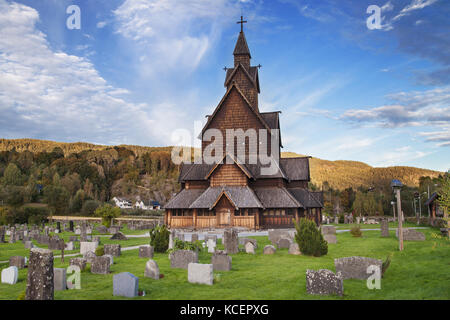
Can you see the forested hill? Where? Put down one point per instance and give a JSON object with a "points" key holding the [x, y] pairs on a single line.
{"points": [[339, 174], [343, 174]]}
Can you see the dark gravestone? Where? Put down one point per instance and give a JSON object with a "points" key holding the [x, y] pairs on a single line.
{"points": [[284, 243], [80, 262], [17, 261], [384, 228], [58, 226], [181, 258], [230, 241], [71, 226], [221, 261], [100, 265], [119, 236], [112, 249], [355, 267], [146, 252], [2, 234], [324, 282], [40, 275]]}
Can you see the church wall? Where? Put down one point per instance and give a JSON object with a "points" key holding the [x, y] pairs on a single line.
{"points": [[228, 175]]}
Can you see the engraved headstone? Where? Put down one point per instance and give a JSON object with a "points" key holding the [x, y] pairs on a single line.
{"points": [[125, 284], [200, 273], [151, 270], [40, 275]]}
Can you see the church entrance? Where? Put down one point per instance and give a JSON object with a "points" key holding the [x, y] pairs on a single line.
{"points": [[224, 212]]}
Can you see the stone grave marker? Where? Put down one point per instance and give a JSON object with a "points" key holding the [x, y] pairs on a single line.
{"points": [[411, 235], [112, 249], [200, 273], [211, 245], [249, 248], [59, 279], [10, 275], [79, 262], [384, 228], [151, 270], [294, 249], [100, 265], [40, 275], [146, 251], [221, 261], [87, 246], [17, 261], [181, 258], [125, 284], [324, 282], [269, 249], [284, 243], [230, 241], [355, 267], [119, 236]]}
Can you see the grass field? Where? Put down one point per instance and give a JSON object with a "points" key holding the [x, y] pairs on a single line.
{"points": [[421, 271]]}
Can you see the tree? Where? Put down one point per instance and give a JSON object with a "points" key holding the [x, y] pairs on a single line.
{"points": [[12, 175], [89, 207], [107, 213], [444, 193], [76, 203], [57, 197], [309, 238]]}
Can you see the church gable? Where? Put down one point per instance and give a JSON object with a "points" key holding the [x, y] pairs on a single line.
{"points": [[228, 175], [246, 84]]}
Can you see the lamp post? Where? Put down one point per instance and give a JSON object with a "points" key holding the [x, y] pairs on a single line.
{"points": [[396, 186]]}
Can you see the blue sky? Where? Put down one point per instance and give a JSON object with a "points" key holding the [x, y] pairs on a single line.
{"points": [[138, 70]]}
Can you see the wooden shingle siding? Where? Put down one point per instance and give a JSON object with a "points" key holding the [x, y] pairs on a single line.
{"points": [[228, 175]]}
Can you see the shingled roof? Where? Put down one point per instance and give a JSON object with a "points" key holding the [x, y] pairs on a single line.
{"points": [[241, 47], [274, 197], [252, 73], [305, 197], [184, 199], [241, 197], [296, 168]]}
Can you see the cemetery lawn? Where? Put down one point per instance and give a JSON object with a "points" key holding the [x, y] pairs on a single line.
{"points": [[418, 272]]}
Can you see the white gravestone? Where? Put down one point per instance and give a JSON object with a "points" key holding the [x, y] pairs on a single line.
{"points": [[10, 275]]}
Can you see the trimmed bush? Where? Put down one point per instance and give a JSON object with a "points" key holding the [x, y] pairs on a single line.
{"points": [[186, 245], [309, 238], [356, 231], [159, 238], [100, 251]]}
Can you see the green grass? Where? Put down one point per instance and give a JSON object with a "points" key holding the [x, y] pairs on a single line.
{"points": [[418, 272]]}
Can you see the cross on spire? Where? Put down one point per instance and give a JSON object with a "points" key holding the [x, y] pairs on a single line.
{"points": [[242, 23]]}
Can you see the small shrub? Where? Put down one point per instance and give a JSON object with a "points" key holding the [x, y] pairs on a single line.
{"points": [[309, 239], [100, 251], [159, 238], [356, 231], [186, 245]]}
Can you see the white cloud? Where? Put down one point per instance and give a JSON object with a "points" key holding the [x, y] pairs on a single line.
{"points": [[173, 34], [54, 95], [101, 24]]}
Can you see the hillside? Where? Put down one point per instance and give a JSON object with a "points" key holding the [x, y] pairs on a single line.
{"points": [[340, 174]]}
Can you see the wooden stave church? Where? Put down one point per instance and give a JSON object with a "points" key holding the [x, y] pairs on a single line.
{"points": [[235, 193]]}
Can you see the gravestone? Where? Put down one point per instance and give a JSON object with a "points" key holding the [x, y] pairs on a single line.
{"points": [[78, 230], [100, 265], [58, 226], [294, 249], [181, 258], [358, 220], [59, 279], [10, 275], [384, 228], [330, 238], [17, 261], [211, 245], [12, 236], [269, 249], [328, 229], [411, 235], [96, 239], [125, 284], [244, 241], [89, 256], [70, 246], [102, 229], [276, 235], [221, 261], [350, 218], [146, 251], [171, 236], [194, 237], [284, 243], [336, 220], [324, 282], [29, 245], [114, 229], [79, 262], [346, 219], [73, 238], [40, 275], [112, 249], [87, 246], [355, 267], [231, 242], [118, 236], [249, 248], [110, 257], [71, 225], [151, 270], [200, 273]]}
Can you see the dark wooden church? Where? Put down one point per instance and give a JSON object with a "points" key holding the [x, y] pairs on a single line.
{"points": [[236, 193]]}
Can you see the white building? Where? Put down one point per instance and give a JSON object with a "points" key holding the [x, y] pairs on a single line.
{"points": [[123, 203]]}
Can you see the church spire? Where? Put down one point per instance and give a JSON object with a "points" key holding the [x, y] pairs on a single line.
{"points": [[241, 52]]}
